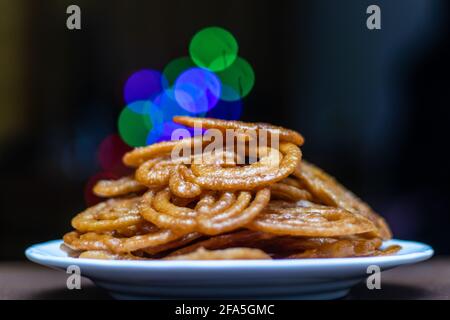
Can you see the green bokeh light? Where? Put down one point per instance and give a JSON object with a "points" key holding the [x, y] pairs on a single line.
{"points": [[134, 127], [213, 48], [237, 80], [176, 67]]}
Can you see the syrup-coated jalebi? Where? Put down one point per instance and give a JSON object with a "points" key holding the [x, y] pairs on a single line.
{"points": [[290, 160], [330, 192], [226, 254], [246, 196], [229, 213], [108, 216], [115, 188], [310, 220], [285, 135]]}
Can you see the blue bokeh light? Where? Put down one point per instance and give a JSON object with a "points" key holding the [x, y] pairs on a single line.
{"points": [[197, 90], [169, 106], [143, 85], [156, 117], [169, 127]]}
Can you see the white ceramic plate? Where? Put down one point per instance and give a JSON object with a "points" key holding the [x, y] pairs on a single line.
{"points": [[236, 279]]}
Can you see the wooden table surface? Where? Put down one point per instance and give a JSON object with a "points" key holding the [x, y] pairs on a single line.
{"points": [[426, 280]]}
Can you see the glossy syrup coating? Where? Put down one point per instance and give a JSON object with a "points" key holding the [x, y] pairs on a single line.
{"points": [[139, 155], [237, 215], [108, 255], [213, 206], [116, 188], [342, 248], [154, 172], [325, 188], [310, 220], [225, 254], [250, 180], [234, 239], [180, 187], [288, 192], [285, 135], [108, 216], [227, 214], [183, 241], [158, 209], [96, 241]]}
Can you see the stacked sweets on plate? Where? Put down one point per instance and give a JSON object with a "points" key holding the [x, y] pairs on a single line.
{"points": [[238, 191]]}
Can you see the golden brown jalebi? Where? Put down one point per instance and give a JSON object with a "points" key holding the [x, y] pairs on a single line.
{"points": [[226, 254], [158, 209], [184, 240], [107, 255], [268, 162], [158, 171], [288, 192], [208, 199], [286, 135], [342, 248], [388, 251], [180, 187], [293, 182], [284, 246], [115, 188], [204, 198], [330, 192], [310, 220], [235, 239], [212, 205], [291, 158], [110, 215], [139, 155], [289, 246], [96, 241], [227, 214], [235, 216], [138, 229]]}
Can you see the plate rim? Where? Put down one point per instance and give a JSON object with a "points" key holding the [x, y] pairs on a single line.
{"points": [[424, 252]]}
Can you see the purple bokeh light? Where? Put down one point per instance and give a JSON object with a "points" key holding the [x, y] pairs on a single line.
{"points": [[143, 85], [169, 127], [197, 90], [169, 106]]}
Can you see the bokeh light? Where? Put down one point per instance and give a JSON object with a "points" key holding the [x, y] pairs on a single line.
{"points": [[156, 117], [110, 153], [210, 82], [134, 126], [170, 127], [169, 107], [174, 68], [213, 48], [237, 80], [143, 85], [197, 90]]}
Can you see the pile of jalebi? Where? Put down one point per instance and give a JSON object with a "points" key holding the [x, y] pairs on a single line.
{"points": [[262, 202]]}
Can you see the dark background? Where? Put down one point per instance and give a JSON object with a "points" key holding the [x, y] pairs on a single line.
{"points": [[373, 105]]}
